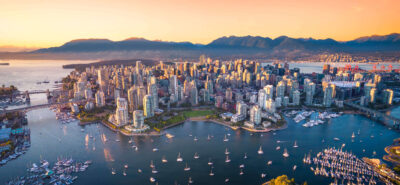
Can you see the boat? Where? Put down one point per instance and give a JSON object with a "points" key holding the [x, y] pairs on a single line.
{"points": [[241, 166], [263, 175], [336, 139], [278, 148], [196, 156], [245, 156], [130, 141], [294, 167], [139, 170], [153, 170], [226, 180], [226, 151], [83, 130], [179, 158], [187, 168], [195, 138], [374, 152], [226, 139], [353, 136], [152, 179], [211, 172], [164, 160], [208, 137], [190, 180], [241, 172], [117, 140], [169, 136], [269, 162], [124, 173], [151, 164], [285, 153], [125, 166], [209, 162], [113, 171], [260, 151], [227, 160], [155, 149], [295, 144]]}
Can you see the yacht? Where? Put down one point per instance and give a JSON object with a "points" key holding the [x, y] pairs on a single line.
{"points": [[190, 180], [211, 172], [195, 138], [226, 139], [241, 166], [278, 148], [169, 136], [139, 170], [155, 149], [113, 171], [124, 173], [125, 166], [226, 180], [269, 162], [187, 168], [151, 164], [209, 162], [260, 151], [164, 160], [263, 175], [227, 160], [152, 179], [294, 167], [295, 144], [226, 151], [285, 153], [196, 156], [154, 170], [179, 158], [241, 172], [336, 139]]}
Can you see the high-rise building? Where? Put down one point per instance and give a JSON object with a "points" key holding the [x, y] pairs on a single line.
{"points": [[326, 69], [296, 97], [229, 94], [241, 108], [133, 99], [388, 96], [138, 118], [270, 106], [280, 89], [255, 114], [153, 91], [121, 113], [372, 95], [327, 102], [148, 110], [278, 102], [194, 97], [219, 100], [100, 99], [261, 98], [269, 92], [309, 89]]}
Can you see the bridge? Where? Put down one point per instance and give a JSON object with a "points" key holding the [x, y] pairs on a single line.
{"points": [[29, 108], [27, 93], [387, 120]]}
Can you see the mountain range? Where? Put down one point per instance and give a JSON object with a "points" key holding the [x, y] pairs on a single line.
{"points": [[224, 46]]}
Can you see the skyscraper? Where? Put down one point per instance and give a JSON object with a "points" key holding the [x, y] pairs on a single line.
{"points": [[296, 97], [148, 106], [241, 108], [100, 99], [280, 89], [255, 114], [328, 96], [138, 119], [269, 92], [121, 113], [388, 96]]}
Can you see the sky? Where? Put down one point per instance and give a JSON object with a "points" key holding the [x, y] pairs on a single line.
{"points": [[46, 23]]}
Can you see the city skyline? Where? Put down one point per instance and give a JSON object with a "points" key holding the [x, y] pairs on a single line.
{"points": [[54, 23]]}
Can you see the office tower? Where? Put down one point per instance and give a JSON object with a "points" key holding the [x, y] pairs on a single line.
{"points": [[100, 99], [328, 96], [153, 91], [229, 95], [194, 100], [269, 92], [296, 97], [133, 100], [103, 78], [138, 118], [309, 89], [388, 96], [173, 83], [280, 89], [261, 98], [372, 95], [255, 114], [141, 91], [367, 90], [148, 110], [241, 108]]}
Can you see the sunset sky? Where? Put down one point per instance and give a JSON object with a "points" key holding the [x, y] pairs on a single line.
{"points": [[44, 23]]}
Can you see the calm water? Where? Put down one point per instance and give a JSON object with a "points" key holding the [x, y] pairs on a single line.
{"points": [[51, 139]]}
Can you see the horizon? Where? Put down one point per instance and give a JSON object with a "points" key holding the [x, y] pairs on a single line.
{"points": [[42, 24]]}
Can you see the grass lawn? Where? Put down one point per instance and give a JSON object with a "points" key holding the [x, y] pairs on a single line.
{"points": [[198, 113]]}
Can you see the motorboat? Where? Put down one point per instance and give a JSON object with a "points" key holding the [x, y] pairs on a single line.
{"points": [[285, 153], [179, 158], [260, 151]]}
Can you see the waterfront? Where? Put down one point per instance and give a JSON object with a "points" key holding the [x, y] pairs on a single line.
{"points": [[51, 139]]}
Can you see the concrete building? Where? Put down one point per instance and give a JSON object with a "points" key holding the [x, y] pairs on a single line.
{"points": [[388, 96], [148, 110], [138, 118], [100, 99], [255, 114]]}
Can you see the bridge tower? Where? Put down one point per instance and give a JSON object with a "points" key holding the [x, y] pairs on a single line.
{"points": [[27, 97]]}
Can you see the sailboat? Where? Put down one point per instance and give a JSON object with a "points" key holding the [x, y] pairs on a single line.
{"points": [[125, 166], [226, 151], [195, 138], [263, 175], [152, 179], [208, 137], [164, 160], [190, 180], [260, 151], [226, 139], [113, 171], [227, 160], [241, 172], [245, 156], [295, 144], [179, 158], [196, 156], [269, 162], [278, 148], [353, 136], [294, 167], [226, 180], [211, 172], [130, 141], [187, 168], [285, 153], [241, 166], [124, 173], [209, 162], [153, 170], [151, 164]]}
